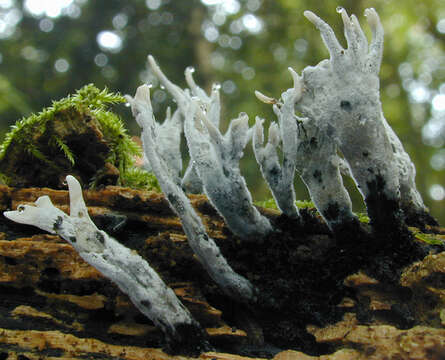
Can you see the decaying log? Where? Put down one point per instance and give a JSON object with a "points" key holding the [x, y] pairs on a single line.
{"points": [[53, 305]]}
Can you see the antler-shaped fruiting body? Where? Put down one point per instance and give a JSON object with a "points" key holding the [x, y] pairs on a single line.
{"points": [[280, 178], [216, 157], [128, 270], [169, 135], [308, 150], [318, 165], [342, 96], [415, 211], [206, 250], [211, 105]]}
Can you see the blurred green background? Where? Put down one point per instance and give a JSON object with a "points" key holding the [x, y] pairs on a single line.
{"points": [[50, 48]]}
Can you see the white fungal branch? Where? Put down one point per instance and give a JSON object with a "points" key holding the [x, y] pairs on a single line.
{"points": [[280, 178], [342, 96], [216, 157], [340, 103], [267, 157], [169, 133], [211, 105], [203, 246], [308, 150], [318, 165], [128, 270], [411, 200]]}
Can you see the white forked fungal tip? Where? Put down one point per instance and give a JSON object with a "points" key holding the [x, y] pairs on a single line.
{"points": [[276, 110], [243, 116], [73, 184], [265, 99], [78, 207], [274, 135], [259, 122], [43, 201], [314, 19], [142, 93], [74, 188], [202, 122], [242, 121], [355, 21], [298, 86], [156, 69], [344, 15], [258, 135], [371, 16], [189, 77], [152, 61]]}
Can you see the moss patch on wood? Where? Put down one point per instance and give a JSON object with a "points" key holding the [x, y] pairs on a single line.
{"points": [[77, 135]]}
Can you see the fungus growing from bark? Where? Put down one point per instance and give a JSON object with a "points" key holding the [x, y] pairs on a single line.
{"points": [[340, 103], [204, 247], [125, 268], [308, 150], [216, 156]]}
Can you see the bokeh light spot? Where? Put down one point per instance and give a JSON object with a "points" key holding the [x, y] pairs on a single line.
{"points": [[120, 21], [439, 102], [437, 192], [229, 87], [441, 26], [252, 23], [419, 93], [437, 161], [109, 41], [61, 65], [153, 4], [46, 25], [6, 4], [51, 8], [101, 60]]}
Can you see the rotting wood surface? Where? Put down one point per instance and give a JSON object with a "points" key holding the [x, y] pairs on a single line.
{"points": [[53, 305]]}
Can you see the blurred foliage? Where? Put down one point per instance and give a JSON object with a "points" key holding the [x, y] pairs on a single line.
{"points": [[242, 44], [11, 99]]}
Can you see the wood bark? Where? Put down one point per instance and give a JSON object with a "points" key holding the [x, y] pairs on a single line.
{"points": [[55, 306]]}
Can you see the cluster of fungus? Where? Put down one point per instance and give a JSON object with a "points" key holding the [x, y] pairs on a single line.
{"points": [[340, 128]]}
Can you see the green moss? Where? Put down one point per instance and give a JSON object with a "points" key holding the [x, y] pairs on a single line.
{"points": [[431, 239], [138, 178], [304, 204], [38, 137], [363, 217], [270, 204]]}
